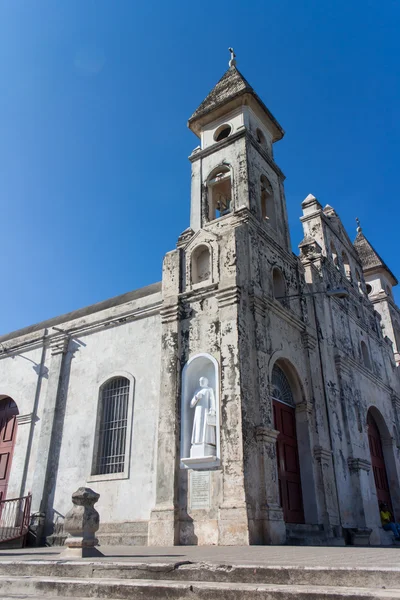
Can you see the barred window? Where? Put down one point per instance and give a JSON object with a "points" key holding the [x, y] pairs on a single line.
{"points": [[114, 398]]}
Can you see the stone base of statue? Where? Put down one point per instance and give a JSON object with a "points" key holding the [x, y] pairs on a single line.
{"points": [[81, 524], [201, 455], [202, 450]]}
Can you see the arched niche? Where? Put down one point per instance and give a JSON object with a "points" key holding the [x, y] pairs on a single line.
{"points": [[201, 264], [200, 366]]}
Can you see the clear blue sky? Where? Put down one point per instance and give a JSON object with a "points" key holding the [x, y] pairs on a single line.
{"points": [[95, 95]]}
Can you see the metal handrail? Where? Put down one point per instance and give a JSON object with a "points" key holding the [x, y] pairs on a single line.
{"points": [[14, 518]]}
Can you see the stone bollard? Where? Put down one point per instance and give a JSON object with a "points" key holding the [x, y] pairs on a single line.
{"points": [[81, 524]]}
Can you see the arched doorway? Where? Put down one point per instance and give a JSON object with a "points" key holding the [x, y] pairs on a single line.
{"points": [[286, 448], [378, 462], [8, 433]]}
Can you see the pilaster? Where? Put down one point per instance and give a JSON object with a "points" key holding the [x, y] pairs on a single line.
{"points": [[163, 525], [46, 459], [232, 518], [274, 526]]}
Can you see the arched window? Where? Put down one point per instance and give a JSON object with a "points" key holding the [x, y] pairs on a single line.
{"points": [[334, 255], [279, 285], [365, 355], [267, 201], [346, 265], [219, 188], [112, 427], [280, 387], [201, 264]]}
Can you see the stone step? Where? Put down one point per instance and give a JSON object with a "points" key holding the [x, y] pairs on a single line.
{"points": [[136, 527], [121, 539], [140, 589], [304, 527], [335, 577]]}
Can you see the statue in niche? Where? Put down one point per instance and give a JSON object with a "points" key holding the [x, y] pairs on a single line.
{"points": [[204, 421]]}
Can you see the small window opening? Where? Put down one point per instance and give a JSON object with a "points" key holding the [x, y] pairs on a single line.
{"points": [[369, 288], [201, 264], [219, 194], [260, 136], [359, 282], [346, 265], [365, 355], [222, 133], [334, 255], [267, 202], [279, 285]]}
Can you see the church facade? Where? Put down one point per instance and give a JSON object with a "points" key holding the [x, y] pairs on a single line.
{"points": [[251, 397]]}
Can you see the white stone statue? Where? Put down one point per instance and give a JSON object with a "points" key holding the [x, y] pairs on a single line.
{"points": [[204, 421]]}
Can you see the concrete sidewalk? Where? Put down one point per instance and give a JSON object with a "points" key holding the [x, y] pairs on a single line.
{"points": [[294, 556]]}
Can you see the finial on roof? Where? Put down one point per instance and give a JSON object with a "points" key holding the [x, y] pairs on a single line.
{"points": [[358, 225], [232, 62]]}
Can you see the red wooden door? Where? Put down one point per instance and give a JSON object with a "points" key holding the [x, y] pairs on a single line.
{"points": [[288, 463], [378, 462], [8, 432]]}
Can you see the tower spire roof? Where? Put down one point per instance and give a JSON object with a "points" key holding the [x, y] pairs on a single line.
{"points": [[370, 259], [230, 88]]}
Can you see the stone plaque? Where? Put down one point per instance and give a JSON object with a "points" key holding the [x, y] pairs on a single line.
{"points": [[199, 489]]}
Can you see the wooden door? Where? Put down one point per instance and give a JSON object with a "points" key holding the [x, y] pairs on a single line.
{"points": [[8, 432], [288, 463], [378, 462]]}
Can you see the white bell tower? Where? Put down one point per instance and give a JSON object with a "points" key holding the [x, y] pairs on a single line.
{"points": [[234, 166]]}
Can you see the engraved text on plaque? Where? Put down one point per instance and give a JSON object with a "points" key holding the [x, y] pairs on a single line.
{"points": [[199, 489]]}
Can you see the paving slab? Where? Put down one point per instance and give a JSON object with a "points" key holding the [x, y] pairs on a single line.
{"points": [[296, 556]]}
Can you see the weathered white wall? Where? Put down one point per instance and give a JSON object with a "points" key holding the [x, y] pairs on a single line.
{"points": [[20, 379], [132, 348]]}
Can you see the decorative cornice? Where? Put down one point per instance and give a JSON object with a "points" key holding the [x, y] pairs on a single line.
{"points": [[259, 305], [358, 464], [115, 320], [212, 149], [347, 364], [170, 313], [304, 406], [199, 293], [25, 419], [342, 365], [285, 313], [228, 296], [309, 341], [266, 435], [322, 454], [59, 344]]}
